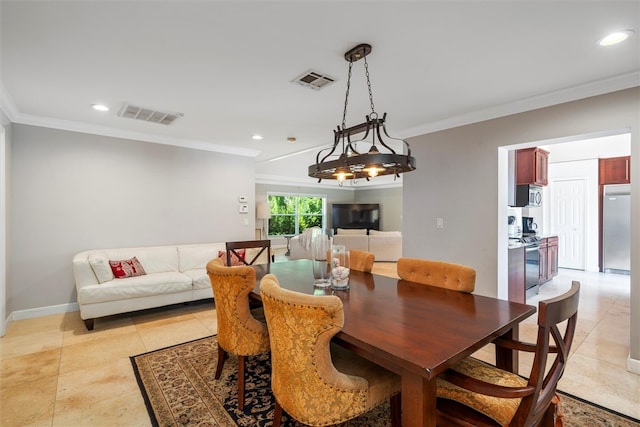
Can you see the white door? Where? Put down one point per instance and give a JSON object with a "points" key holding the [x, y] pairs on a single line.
{"points": [[568, 221]]}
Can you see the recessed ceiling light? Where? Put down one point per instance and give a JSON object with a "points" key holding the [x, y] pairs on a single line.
{"points": [[256, 137], [99, 107], [615, 38], [291, 139]]}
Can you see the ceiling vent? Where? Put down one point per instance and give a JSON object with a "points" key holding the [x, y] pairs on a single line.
{"points": [[314, 80], [148, 115]]}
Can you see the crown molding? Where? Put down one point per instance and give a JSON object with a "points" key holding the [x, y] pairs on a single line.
{"points": [[307, 182], [137, 136], [574, 93], [6, 104]]}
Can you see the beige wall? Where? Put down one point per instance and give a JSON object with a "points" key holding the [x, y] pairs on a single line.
{"points": [[390, 200], [461, 178], [72, 192]]}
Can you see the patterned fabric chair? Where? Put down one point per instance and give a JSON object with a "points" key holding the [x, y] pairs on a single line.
{"points": [[483, 395], [316, 382], [239, 332], [437, 273], [361, 260]]}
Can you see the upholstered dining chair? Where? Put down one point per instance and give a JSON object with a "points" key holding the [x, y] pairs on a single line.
{"points": [[316, 382], [234, 251], [361, 260], [479, 394], [446, 275], [239, 332]]}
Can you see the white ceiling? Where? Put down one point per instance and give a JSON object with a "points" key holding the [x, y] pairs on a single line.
{"points": [[229, 66]]}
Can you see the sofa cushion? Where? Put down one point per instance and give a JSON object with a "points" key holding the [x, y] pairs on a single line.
{"points": [[234, 259], [135, 287], [123, 268], [384, 233], [199, 277], [99, 262], [197, 256], [154, 259], [352, 231]]}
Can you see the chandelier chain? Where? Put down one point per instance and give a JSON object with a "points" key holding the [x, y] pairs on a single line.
{"points": [[346, 97], [366, 71]]}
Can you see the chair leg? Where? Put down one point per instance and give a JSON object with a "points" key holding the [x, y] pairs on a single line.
{"points": [[222, 356], [277, 415], [241, 360], [396, 410]]}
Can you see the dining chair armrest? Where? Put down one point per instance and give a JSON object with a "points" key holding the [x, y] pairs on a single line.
{"points": [[478, 386]]}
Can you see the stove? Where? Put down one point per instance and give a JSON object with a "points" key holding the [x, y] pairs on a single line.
{"points": [[528, 239]]}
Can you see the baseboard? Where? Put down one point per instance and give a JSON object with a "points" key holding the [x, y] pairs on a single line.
{"points": [[633, 365], [43, 311]]}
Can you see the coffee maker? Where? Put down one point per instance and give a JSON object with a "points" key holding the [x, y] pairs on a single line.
{"points": [[528, 226], [515, 223]]}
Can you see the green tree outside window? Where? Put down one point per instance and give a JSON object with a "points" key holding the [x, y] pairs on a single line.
{"points": [[292, 214]]}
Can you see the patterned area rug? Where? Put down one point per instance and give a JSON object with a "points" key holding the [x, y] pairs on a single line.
{"points": [[179, 389]]}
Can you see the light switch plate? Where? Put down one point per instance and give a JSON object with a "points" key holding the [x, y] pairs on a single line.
{"points": [[440, 223]]}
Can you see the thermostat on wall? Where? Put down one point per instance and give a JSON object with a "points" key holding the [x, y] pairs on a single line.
{"points": [[243, 208], [242, 199]]}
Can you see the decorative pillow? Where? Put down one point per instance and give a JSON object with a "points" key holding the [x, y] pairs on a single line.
{"points": [[126, 268], [384, 233], [352, 231], [234, 259], [99, 262]]}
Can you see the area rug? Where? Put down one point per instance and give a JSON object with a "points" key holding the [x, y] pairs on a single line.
{"points": [[179, 389]]}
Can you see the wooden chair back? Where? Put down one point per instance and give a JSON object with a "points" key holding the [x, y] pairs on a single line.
{"points": [[516, 401], [234, 247]]}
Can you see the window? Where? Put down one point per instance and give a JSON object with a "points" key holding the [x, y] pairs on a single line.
{"points": [[293, 213]]}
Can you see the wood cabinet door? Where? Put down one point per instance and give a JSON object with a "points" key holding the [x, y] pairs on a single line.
{"points": [[544, 262], [532, 166], [542, 165], [552, 257], [615, 170]]}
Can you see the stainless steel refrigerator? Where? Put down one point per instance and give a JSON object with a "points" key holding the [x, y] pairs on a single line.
{"points": [[616, 235]]}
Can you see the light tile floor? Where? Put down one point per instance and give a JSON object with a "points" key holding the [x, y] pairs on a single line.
{"points": [[55, 373]]}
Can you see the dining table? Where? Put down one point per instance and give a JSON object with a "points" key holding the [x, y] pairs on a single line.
{"points": [[414, 330]]}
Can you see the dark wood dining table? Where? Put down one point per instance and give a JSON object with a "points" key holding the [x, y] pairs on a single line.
{"points": [[414, 330]]}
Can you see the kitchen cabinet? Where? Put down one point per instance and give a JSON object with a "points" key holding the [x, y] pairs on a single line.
{"points": [[548, 251], [531, 166], [543, 269], [552, 257], [615, 170]]}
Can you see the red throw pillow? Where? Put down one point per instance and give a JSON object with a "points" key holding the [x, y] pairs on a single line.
{"points": [[234, 259], [126, 268]]}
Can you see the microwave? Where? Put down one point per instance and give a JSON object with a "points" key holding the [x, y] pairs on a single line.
{"points": [[528, 195]]}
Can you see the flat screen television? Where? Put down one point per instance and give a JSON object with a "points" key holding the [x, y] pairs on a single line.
{"points": [[355, 215]]}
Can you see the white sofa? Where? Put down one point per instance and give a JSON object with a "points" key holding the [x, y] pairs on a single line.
{"points": [[174, 274], [385, 245]]}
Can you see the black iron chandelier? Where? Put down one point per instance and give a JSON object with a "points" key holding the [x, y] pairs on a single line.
{"points": [[352, 164]]}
